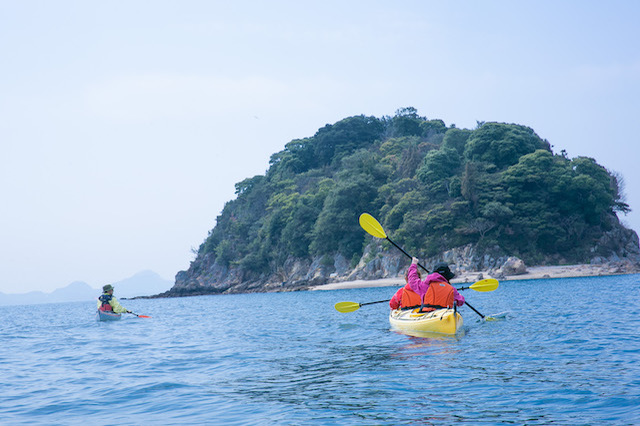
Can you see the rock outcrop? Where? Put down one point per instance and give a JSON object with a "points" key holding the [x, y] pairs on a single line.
{"points": [[512, 266], [617, 251]]}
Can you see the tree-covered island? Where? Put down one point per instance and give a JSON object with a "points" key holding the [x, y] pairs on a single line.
{"points": [[470, 197]]}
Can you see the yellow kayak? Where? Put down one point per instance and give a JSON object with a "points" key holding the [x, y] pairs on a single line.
{"points": [[445, 321]]}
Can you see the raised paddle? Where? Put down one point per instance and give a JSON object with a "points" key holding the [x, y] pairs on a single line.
{"points": [[373, 227], [488, 284]]}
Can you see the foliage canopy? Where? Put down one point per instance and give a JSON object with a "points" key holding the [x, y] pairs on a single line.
{"points": [[432, 187]]}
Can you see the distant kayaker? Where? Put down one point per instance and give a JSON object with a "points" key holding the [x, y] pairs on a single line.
{"points": [[108, 302], [435, 291]]}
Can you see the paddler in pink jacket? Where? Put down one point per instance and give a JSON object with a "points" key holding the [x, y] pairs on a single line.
{"points": [[415, 289]]}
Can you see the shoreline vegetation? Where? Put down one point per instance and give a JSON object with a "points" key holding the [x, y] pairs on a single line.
{"points": [[531, 273]]}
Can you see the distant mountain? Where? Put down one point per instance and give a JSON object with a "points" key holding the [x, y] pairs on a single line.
{"points": [[77, 291], [145, 283], [31, 298]]}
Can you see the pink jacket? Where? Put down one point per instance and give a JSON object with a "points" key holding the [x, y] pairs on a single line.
{"points": [[420, 287], [395, 301]]}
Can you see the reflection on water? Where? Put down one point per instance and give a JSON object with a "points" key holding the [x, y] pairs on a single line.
{"points": [[426, 335], [422, 344]]}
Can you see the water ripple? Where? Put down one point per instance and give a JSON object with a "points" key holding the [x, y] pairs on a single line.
{"points": [[556, 357]]}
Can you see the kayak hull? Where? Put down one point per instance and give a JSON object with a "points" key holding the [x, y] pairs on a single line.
{"points": [[107, 316], [442, 321]]}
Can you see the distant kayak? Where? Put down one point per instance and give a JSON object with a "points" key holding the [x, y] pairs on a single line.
{"points": [[445, 321], [107, 316]]}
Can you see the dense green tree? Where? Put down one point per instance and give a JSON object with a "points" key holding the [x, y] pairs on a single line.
{"points": [[409, 202], [297, 233], [337, 229], [334, 141], [502, 144], [456, 139], [431, 128], [407, 122], [439, 166], [297, 157]]}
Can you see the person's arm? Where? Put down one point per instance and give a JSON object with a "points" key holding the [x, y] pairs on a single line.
{"points": [[117, 307], [458, 298], [396, 300], [418, 286]]}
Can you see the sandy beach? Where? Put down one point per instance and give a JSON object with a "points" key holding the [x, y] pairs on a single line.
{"points": [[532, 273]]}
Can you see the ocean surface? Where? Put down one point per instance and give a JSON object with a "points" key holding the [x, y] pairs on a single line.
{"points": [[566, 352]]}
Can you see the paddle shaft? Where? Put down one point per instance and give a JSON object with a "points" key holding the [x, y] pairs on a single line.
{"points": [[473, 309], [407, 254], [372, 303]]}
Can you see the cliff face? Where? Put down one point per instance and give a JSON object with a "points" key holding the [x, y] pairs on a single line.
{"points": [[618, 249]]}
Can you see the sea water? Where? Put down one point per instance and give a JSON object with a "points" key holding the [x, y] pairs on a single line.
{"points": [[566, 351]]}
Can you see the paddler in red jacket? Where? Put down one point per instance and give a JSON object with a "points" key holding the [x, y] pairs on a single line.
{"points": [[434, 291]]}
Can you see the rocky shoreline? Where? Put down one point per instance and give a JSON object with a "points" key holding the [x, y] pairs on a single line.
{"points": [[513, 269], [528, 273], [381, 267]]}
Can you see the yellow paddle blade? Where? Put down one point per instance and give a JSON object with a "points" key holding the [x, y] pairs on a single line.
{"points": [[488, 284], [372, 226], [345, 307]]}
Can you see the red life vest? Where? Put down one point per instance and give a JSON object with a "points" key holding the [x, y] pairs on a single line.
{"points": [[106, 306], [439, 295]]}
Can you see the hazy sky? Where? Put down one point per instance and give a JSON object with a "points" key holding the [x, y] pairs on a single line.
{"points": [[124, 125]]}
